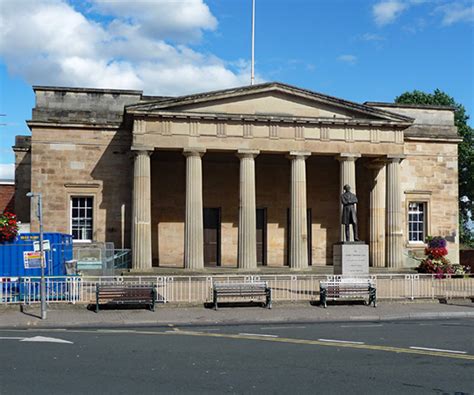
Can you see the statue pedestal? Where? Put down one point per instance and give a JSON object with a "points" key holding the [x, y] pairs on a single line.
{"points": [[351, 259]]}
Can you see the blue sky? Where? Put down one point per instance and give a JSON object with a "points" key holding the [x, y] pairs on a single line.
{"points": [[359, 50]]}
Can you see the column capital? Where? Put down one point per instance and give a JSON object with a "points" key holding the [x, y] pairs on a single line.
{"points": [[247, 153], [142, 149], [194, 151], [298, 155], [395, 158], [347, 156]]}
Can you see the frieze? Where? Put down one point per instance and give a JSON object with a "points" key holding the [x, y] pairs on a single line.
{"points": [[272, 130]]}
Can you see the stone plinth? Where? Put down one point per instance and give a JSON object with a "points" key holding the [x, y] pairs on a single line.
{"points": [[351, 259]]}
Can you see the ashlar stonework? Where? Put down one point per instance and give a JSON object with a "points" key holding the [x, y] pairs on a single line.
{"points": [[176, 178]]}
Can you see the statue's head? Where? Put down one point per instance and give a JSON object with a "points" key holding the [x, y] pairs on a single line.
{"points": [[347, 188]]}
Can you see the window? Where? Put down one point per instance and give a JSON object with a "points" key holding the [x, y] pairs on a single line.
{"points": [[82, 217], [416, 222]]}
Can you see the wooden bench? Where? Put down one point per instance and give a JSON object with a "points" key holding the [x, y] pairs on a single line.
{"points": [[247, 290], [125, 294], [352, 289]]}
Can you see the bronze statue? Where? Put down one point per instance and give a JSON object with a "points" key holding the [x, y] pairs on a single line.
{"points": [[349, 216]]}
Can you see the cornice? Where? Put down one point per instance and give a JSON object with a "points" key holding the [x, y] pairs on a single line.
{"points": [[72, 125], [434, 139], [186, 115]]}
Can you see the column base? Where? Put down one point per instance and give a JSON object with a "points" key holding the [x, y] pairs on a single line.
{"points": [[350, 242], [248, 270], [140, 271], [300, 269]]}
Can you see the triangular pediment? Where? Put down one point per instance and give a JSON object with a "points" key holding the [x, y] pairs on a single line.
{"points": [[271, 99]]}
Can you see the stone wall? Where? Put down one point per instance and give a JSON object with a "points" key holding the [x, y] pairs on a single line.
{"points": [[430, 173], [81, 147], [76, 162], [94, 106]]}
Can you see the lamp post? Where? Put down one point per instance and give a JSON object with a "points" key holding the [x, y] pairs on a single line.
{"points": [[39, 214]]}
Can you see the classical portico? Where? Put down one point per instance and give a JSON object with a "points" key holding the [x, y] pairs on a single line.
{"points": [[266, 121]]}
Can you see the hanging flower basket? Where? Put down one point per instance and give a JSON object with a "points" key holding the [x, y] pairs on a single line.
{"points": [[8, 227]]}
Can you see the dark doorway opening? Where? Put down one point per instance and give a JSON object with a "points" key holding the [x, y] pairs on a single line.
{"points": [[261, 236], [212, 236]]}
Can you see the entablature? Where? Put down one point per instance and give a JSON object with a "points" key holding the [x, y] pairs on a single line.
{"points": [[168, 130]]}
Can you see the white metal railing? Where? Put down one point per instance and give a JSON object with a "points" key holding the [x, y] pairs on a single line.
{"points": [[198, 289]]}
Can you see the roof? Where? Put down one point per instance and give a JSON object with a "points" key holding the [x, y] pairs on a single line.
{"points": [[85, 90], [402, 105], [167, 104]]}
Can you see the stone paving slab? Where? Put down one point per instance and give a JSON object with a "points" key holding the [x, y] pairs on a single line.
{"points": [[76, 316]]}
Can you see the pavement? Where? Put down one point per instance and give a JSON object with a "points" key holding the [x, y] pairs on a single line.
{"points": [[79, 316]]}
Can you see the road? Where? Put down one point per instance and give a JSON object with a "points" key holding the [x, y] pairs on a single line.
{"points": [[389, 357]]}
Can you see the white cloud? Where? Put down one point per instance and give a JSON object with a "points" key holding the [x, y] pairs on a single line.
{"points": [[453, 11], [162, 19], [371, 37], [7, 171], [386, 12], [129, 47], [351, 59], [456, 12]]}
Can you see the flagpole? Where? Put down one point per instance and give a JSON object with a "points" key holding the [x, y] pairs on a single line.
{"points": [[252, 73]]}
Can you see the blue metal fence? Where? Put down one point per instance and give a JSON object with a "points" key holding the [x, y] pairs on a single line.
{"points": [[12, 255]]}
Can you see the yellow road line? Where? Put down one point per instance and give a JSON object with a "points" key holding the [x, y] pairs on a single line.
{"points": [[177, 332], [398, 350]]}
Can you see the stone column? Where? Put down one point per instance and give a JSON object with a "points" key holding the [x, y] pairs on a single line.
{"points": [[377, 214], [247, 254], [394, 238], [141, 216], [298, 213], [346, 176], [194, 225]]}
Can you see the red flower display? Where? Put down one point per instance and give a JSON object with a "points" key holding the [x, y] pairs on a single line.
{"points": [[8, 227], [436, 253], [435, 261]]}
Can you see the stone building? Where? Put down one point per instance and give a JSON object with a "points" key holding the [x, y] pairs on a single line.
{"points": [[239, 177]]}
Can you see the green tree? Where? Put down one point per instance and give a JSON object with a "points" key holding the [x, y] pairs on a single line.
{"points": [[466, 154]]}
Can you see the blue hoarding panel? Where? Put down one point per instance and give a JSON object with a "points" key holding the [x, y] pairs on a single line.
{"points": [[12, 260]]}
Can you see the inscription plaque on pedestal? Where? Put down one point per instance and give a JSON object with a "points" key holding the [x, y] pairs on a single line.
{"points": [[351, 259]]}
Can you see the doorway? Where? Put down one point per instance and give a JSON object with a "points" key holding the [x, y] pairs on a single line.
{"points": [[262, 236], [212, 236]]}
